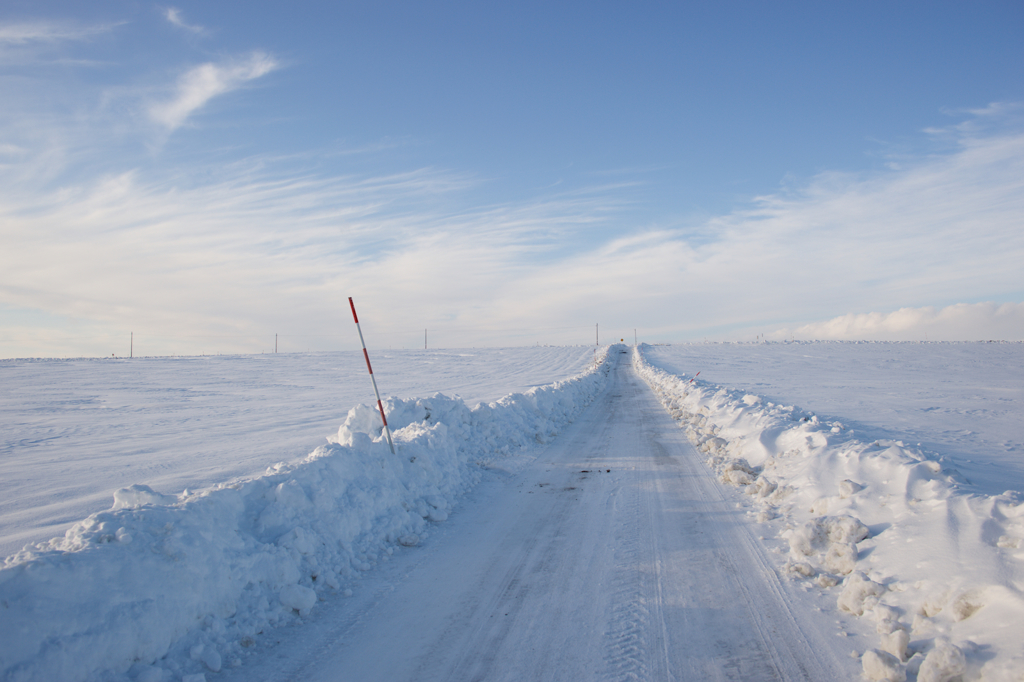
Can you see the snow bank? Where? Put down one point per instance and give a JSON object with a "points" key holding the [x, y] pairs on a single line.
{"points": [[167, 587], [884, 526], [73, 431]]}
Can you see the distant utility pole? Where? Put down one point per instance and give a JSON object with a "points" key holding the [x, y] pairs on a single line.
{"points": [[275, 343], [597, 335]]}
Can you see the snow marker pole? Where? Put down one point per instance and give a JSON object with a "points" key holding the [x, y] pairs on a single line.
{"points": [[694, 377], [380, 405]]}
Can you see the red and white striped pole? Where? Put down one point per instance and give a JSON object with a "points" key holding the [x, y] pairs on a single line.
{"points": [[380, 406]]}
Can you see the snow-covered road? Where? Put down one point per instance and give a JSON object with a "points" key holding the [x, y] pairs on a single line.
{"points": [[612, 554]]}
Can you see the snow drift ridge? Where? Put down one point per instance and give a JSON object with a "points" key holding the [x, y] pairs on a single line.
{"points": [[895, 533], [162, 585]]}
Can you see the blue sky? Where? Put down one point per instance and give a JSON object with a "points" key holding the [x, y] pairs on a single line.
{"points": [[209, 174]]}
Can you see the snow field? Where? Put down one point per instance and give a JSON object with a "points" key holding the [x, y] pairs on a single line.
{"points": [[167, 587], [74, 431], [886, 528], [964, 401]]}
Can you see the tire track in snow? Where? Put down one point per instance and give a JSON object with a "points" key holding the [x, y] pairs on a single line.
{"points": [[637, 636], [627, 622]]}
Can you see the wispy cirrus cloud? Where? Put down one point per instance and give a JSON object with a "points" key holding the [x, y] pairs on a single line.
{"points": [[941, 229], [199, 85], [261, 248], [173, 15], [28, 33], [39, 42], [268, 245], [12, 150]]}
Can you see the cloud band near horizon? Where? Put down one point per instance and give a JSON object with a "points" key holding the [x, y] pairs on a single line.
{"points": [[261, 249]]}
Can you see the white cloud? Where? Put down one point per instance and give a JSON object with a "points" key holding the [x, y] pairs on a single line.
{"points": [[258, 250], [46, 32], [959, 322], [37, 42], [199, 85], [173, 15], [943, 229], [12, 150]]}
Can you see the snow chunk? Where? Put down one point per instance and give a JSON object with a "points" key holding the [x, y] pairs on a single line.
{"points": [[410, 540], [1008, 542], [849, 488], [762, 487], [714, 445], [737, 471], [882, 666], [966, 604], [801, 568], [817, 535], [896, 643], [137, 495], [942, 663], [858, 591], [148, 673], [841, 558], [298, 597], [211, 659]]}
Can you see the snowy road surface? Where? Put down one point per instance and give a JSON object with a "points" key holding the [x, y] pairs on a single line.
{"points": [[614, 554]]}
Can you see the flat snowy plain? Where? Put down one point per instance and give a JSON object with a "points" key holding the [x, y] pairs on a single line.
{"points": [[576, 530]]}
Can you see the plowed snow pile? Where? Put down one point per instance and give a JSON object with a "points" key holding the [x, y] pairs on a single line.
{"points": [[73, 431], [174, 586], [887, 529]]}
